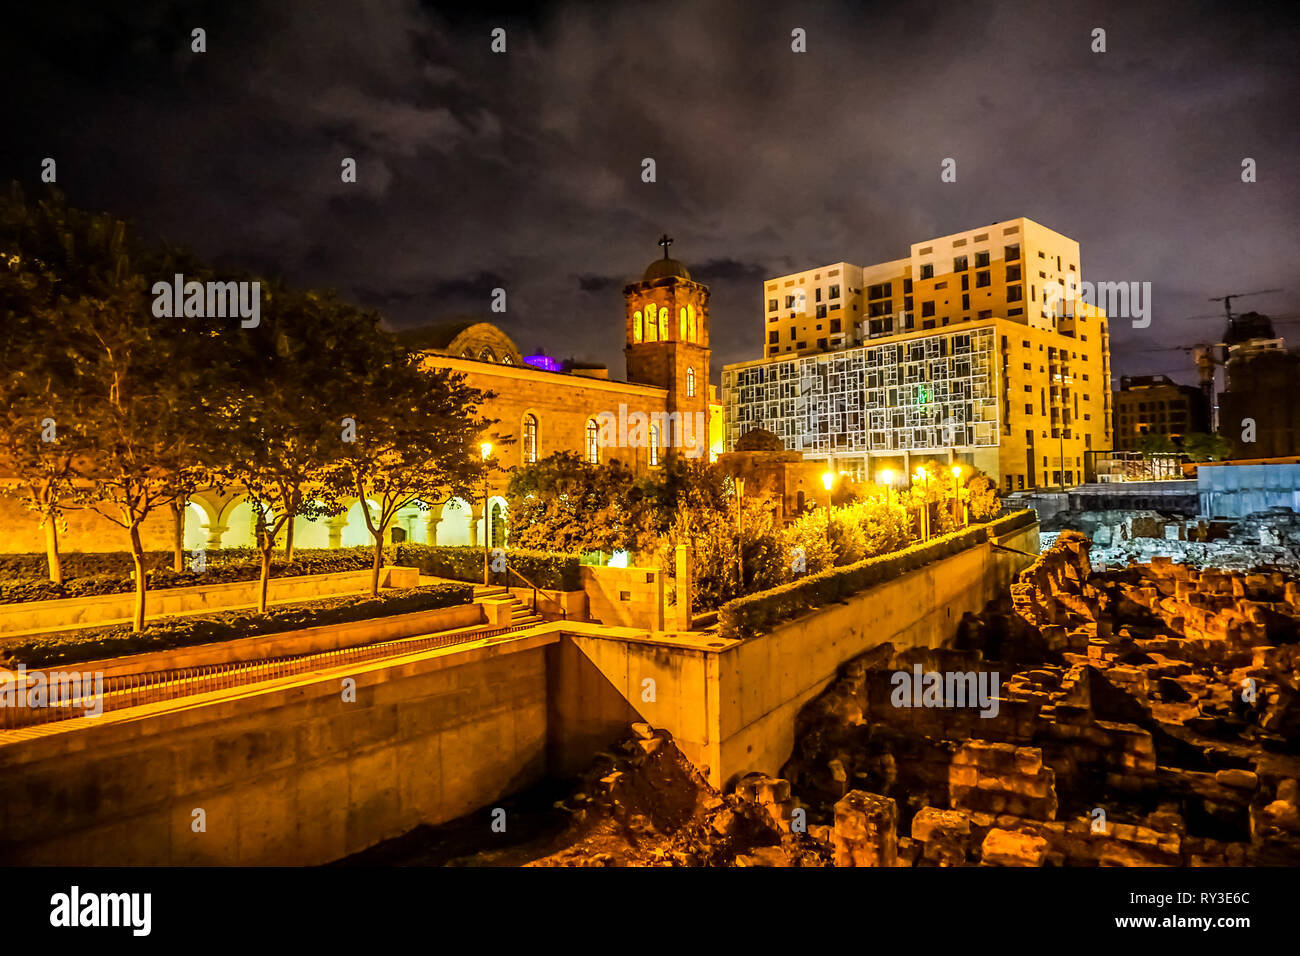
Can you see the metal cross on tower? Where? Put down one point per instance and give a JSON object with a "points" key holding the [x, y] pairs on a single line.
{"points": [[665, 240]]}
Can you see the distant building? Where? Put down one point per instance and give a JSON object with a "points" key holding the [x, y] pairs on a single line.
{"points": [[953, 352], [1262, 395], [1149, 406]]}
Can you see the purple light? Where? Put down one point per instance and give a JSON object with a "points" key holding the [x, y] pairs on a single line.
{"points": [[544, 362]]}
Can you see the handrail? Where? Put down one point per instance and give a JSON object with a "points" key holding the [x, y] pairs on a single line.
{"points": [[563, 613]]}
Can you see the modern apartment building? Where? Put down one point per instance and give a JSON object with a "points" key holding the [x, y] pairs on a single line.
{"points": [[956, 352]]}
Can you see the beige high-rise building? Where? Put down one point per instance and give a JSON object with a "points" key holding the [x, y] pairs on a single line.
{"points": [[955, 353]]}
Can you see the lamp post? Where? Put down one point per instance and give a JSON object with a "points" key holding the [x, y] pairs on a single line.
{"points": [[923, 477], [486, 450], [828, 482], [956, 495], [740, 538], [886, 478]]}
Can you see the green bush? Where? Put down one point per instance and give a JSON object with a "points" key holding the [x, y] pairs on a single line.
{"points": [[559, 572], [32, 565], [759, 612], [120, 640], [223, 567]]}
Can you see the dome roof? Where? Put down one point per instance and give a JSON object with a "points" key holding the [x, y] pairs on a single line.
{"points": [[664, 268]]}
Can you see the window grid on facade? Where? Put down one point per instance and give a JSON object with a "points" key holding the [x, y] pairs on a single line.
{"points": [[928, 394]]}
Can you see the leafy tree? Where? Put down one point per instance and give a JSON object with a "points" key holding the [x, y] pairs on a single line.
{"points": [[43, 440], [1204, 447], [565, 503], [982, 497], [416, 434], [1157, 445], [283, 422], [200, 463]]}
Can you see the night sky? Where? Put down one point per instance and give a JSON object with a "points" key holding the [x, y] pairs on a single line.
{"points": [[522, 170]]}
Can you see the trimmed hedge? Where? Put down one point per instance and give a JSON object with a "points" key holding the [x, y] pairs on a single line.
{"points": [[223, 567], [559, 572], [1012, 522], [759, 612], [169, 632], [32, 564]]}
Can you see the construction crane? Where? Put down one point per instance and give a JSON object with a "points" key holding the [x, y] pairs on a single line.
{"points": [[1227, 306]]}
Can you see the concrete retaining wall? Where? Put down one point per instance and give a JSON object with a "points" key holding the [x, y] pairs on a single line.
{"points": [[625, 597], [730, 704], [288, 772], [293, 775]]}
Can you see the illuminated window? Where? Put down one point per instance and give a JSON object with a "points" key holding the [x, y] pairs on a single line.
{"points": [[636, 326], [486, 356], [690, 382], [682, 322], [654, 444], [690, 315], [663, 325], [507, 360], [593, 445], [530, 439], [651, 322]]}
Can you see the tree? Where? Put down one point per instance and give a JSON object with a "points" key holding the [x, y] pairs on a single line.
{"points": [[282, 423], [1204, 447], [216, 380], [94, 357], [412, 438], [1156, 445], [43, 440], [567, 504], [982, 497]]}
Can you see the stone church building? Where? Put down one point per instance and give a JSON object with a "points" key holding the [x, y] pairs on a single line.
{"points": [[665, 406]]}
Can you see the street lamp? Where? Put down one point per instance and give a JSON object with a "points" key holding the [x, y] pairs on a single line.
{"points": [[923, 477], [740, 539], [486, 450], [886, 478], [828, 481], [956, 494]]}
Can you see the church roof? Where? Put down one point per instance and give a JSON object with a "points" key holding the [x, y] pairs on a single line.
{"points": [[664, 268], [437, 335]]}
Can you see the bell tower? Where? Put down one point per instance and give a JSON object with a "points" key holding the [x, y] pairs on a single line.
{"points": [[668, 334]]}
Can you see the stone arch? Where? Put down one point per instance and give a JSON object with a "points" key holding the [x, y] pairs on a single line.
{"points": [[240, 522], [455, 527], [355, 532], [196, 527]]}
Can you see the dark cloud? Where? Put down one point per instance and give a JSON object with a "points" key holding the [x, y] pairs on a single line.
{"points": [[476, 168], [594, 283], [729, 270]]}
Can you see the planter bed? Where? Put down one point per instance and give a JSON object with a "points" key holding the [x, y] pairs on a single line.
{"points": [[22, 575], [118, 640]]}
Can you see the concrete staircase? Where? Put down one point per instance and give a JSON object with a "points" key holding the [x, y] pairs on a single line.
{"points": [[521, 615]]}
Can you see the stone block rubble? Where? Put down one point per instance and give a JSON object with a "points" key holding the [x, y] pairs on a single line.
{"points": [[1148, 717], [1267, 539]]}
